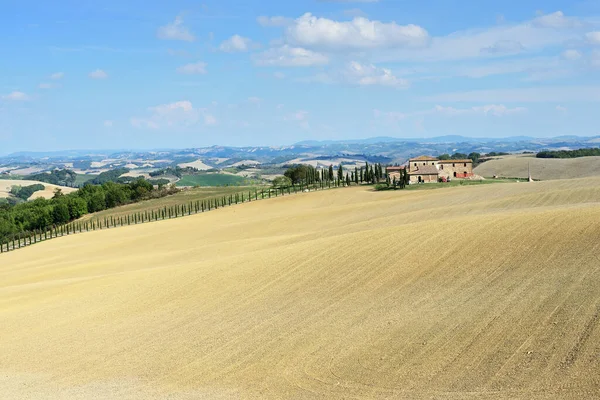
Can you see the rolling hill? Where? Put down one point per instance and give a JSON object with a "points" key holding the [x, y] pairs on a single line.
{"points": [[475, 292], [47, 193], [515, 166]]}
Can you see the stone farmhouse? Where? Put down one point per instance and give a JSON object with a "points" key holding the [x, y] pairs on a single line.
{"points": [[426, 169]]}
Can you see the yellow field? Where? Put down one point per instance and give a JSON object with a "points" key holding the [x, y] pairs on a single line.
{"points": [[481, 292], [47, 193], [541, 168]]}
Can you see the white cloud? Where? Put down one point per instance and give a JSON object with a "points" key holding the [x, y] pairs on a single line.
{"points": [[210, 120], [370, 75], [360, 33], [98, 74], [523, 95], [390, 116], [556, 20], [235, 43], [274, 21], [175, 31], [288, 56], [47, 86], [180, 114], [16, 96], [279, 75], [593, 37], [498, 110], [108, 124], [561, 109], [527, 36], [254, 100], [300, 117], [504, 47], [571, 54], [193, 69], [56, 76]]}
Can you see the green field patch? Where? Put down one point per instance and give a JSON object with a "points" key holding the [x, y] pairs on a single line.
{"points": [[211, 180]]}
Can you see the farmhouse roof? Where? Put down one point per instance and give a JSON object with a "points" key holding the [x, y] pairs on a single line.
{"points": [[395, 168], [468, 160], [425, 170], [423, 158]]}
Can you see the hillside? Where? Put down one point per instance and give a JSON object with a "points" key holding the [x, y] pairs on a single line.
{"points": [[47, 193], [541, 168], [467, 292]]}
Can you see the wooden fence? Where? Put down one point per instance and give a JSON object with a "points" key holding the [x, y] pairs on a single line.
{"points": [[25, 239]]}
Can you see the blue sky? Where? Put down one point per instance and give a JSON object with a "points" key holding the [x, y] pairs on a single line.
{"points": [[82, 74]]}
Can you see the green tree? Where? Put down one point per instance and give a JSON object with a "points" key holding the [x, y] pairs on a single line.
{"points": [[282, 182], [340, 172], [331, 173], [60, 213]]}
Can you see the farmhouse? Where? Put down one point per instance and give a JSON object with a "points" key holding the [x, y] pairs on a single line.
{"points": [[427, 169]]}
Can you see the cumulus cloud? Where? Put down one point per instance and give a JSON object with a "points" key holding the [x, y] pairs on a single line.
{"points": [[497, 41], [175, 31], [254, 100], [98, 74], [235, 43], [57, 75], [179, 114], [193, 68], [556, 20], [593, 37], [370, 75], [108, 124], [571, 54], [16, 96], [274, 21], [360, 33], [561, 109], [288, 56], [47, 86]]}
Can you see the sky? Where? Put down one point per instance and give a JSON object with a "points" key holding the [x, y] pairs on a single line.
{"points": [[82, 74]]}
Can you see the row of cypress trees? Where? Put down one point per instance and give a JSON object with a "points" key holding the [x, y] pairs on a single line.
{"points": [[166, 212]]}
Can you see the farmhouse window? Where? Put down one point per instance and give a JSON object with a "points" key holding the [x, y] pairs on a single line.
{"points": [[465, 164], [454, 165], [424, 163], [442, 166]]}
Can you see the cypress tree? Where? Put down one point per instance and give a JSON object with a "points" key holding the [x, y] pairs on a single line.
{"points": [[330, 172], [347, 180], [340, 172]]}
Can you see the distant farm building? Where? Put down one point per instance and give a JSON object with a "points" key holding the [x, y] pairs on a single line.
{"points": [[394, 172], [426, 169]]}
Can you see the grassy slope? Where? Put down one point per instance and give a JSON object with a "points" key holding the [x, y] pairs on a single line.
{"points": [[7, 184], [210, 180], [80, 179], [183, 197], [541, 168], [474, 292]]}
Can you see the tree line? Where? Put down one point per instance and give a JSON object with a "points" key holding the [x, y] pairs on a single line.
{"points": [[42, 214], [65, 207], [569, 153], [309, 175]]}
